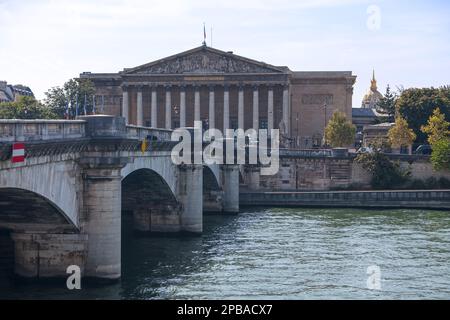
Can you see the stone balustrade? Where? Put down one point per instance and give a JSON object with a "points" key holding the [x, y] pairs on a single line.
{"points": [[84, 127], [40, 130]]}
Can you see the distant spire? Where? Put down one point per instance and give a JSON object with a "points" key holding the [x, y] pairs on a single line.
{"points": [[373, 82]]}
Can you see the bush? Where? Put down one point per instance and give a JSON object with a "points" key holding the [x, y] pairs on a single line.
{"points": [[444, 183], [416, 184], [431, 183], [385, 173]]}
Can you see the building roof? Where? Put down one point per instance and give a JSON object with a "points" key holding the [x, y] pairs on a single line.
{"points": [[206, 59], [362, 112]]}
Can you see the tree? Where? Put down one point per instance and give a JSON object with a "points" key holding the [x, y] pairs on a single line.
{"points": [[73, 96], [387, 104], [340, 132], [440, 157], [437, 128], [400, 134], [385, 173], [26, 108], [417, 105]]}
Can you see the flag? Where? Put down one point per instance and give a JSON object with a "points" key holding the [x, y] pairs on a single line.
{"points": [[144, 145], [18, 153], [204, 33]]}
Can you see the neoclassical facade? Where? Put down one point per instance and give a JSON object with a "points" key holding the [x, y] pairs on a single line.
{"points": [[225, 91]]}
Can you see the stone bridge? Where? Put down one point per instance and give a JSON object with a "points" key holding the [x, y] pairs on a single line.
{"points": [[63, 206]]}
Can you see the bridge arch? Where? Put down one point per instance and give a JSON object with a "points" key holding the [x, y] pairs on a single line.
{"points": [[211, 179], [25, 210], [212, 189], [58, 182], [161, 165], [148, 198]]}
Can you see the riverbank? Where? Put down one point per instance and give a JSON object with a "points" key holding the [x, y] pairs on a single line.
{"points": [[414, 199]]}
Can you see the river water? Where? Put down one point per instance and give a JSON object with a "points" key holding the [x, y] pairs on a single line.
{"points": [[281, 253]]}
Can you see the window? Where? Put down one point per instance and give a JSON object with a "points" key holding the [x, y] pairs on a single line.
{"points": [[263, 124]]}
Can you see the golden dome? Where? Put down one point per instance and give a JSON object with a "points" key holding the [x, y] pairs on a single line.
{"points": [[372, 96]]}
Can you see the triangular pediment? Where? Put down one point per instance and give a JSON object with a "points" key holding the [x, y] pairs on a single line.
{"points": [[204, 60]]}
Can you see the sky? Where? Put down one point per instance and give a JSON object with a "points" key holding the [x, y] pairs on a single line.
{"points": [[43, 43]]}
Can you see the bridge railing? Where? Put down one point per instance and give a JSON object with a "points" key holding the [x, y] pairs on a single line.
{"points": [[135, 132], [40, 130]]}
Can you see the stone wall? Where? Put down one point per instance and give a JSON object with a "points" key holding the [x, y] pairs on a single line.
{"points": [[323, 173], [427, 199]]}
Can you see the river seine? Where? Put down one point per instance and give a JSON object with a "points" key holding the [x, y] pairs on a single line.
{"points": [[279, 253]]}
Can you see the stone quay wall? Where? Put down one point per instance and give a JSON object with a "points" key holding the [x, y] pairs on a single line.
{"points": [[420, 199]]}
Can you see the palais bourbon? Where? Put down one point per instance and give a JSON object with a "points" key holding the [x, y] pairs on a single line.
{"points": [[226, 91]]}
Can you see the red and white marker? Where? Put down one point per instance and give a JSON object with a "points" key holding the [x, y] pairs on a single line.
{"points": [[18, 154]]}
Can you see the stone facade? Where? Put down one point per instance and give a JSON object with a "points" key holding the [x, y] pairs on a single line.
{"points": [[322, 173], [224, 91]]}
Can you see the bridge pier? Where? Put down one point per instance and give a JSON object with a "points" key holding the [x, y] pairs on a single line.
{"points": [[230, 180], [190, 190], [157, 217], [46, 256], [103, 221]]}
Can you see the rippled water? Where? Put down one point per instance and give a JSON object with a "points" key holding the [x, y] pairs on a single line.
{"points": [[283, 254]]}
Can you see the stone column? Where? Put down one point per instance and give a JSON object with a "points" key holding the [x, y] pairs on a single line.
{"points": [[241, 108], [190, 193], [255, 108], [226, 108], [154, 109], [102, 207], [286, 115], [140, 109], [182, 106], [230, 178], [270, 119], [197, 104], [212, 114], [168, 108], [125, 104]]}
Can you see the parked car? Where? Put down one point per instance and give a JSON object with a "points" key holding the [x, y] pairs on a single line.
{"points": [[365, 150], [423, 149]]}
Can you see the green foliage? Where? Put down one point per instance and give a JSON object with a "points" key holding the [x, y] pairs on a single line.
{"points": [[387, 104], [437, 127], [340, 132], [440, 156], [385, 173], [74, 90], [417, 105], [401, 135], [26, 108]]}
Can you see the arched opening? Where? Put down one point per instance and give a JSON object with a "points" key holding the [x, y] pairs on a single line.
{"points": [[212, 192], [26, 212], [147, 198]]}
